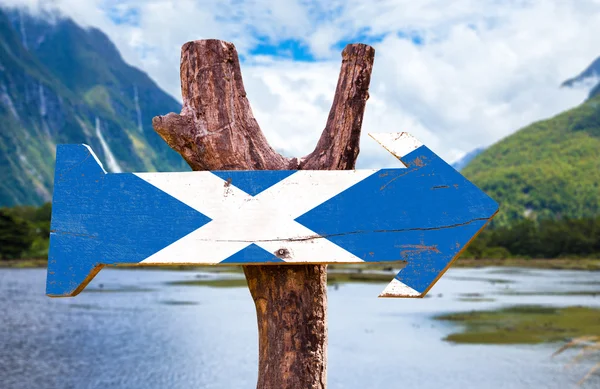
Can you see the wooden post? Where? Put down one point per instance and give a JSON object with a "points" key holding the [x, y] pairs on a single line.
{"points": [[216, 130]]}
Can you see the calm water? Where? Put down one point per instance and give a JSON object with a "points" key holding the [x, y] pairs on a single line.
{"points": [[136, 331]]}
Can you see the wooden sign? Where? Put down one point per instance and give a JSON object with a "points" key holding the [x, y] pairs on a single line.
{"points": [[424, 214]]}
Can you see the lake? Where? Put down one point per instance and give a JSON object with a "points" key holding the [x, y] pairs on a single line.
{"points": [[132, 329]]}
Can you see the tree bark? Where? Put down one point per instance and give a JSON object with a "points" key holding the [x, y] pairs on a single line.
{"points": [[216, 130]]}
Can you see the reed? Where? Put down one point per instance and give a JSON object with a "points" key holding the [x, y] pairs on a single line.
{"points": [[589, 347]]}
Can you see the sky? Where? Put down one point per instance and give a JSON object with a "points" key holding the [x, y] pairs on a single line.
{"points": [[456, 74]]}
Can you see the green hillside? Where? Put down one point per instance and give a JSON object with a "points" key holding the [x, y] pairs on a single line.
{"points": [[549, 169], [61, 83]]}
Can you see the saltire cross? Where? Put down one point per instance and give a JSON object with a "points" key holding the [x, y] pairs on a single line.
{"points": [[424, 214]]}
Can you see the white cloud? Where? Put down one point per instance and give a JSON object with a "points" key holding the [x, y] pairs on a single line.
{"points": [[485, 69]]}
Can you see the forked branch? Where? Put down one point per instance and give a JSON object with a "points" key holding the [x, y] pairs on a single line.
{"points": [[216, 130]]}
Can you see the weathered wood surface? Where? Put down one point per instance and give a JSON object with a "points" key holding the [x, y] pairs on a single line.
{"points": [[116, 219], [216, 130], [423, 215]]}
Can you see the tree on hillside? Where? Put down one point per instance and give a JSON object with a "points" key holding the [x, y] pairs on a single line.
{"points": [[15, 236]]}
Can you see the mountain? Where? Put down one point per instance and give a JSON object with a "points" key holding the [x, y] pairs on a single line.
{"points": [[468, 157], [61, 83], [590, 75], [549, 169]]}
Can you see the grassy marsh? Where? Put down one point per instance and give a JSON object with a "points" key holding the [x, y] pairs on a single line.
{"points": [[523, 325]]}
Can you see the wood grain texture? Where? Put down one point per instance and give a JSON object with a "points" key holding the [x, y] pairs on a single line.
{"points": [[292, 324], [338, 146], [216, 130]]}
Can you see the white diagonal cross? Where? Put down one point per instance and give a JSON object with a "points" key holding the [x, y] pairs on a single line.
{"points": [[267, 219]]}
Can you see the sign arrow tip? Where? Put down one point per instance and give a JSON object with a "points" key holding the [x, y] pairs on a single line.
{"points": [[397, 288], [399, 144]]}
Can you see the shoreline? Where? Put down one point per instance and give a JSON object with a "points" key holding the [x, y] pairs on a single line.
{"points": [[554, 264]]}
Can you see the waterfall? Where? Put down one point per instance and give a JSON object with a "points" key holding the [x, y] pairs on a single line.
{"points": [[111, 161], [31, 170], [137, 108], [22, 28], [36, 177], [43, 110], [7, 101]]}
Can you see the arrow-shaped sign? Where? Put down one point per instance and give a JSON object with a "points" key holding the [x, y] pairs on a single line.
{"points": [[424, 215]]}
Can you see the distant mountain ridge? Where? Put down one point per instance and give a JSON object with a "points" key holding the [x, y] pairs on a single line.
{"points": [[591, 74], [549, 169], [468, 157], [61, 83]]}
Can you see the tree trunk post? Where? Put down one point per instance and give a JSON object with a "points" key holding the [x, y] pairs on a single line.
{"points": [[216, 130]]}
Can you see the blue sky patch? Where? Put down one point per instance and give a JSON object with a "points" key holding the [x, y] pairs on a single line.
{"points": [[121, 15], [364, 35], [299, 50], [289, 48], [416, 38]]}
